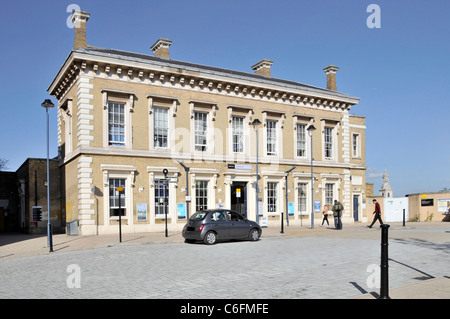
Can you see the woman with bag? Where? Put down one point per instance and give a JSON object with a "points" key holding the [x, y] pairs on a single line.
{"points": [[325, 215]]}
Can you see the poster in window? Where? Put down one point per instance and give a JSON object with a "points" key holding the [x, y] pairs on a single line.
{"points": [[444, 205], [427, 202], [141, 210]]}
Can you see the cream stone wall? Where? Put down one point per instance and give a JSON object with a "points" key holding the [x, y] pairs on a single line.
{"points": [[417, 212], [91, 161]]}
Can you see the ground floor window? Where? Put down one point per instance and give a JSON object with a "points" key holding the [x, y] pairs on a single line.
{"points": [[302, 197], [201, 195], [329, 194], [271, 197], [161, 197], [114, 197]]}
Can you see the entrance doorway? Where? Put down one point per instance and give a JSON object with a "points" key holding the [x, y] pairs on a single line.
{"points": [[356, 207], [239, 197], [2, 223]]}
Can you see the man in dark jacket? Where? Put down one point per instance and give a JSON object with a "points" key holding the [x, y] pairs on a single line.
{"points": [[337, 213], [377, 213]]}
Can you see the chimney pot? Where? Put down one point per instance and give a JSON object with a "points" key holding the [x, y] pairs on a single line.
{"points": [[80, 18], [263, 67], [330, 71], [161, 48]]}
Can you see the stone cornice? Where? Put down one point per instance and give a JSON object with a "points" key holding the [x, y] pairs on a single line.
{"points": [[207, 82], [168, 154]]}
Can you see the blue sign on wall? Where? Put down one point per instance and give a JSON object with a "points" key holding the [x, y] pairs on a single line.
{"points": [[181, 211], [317, 206], [291, 209]]}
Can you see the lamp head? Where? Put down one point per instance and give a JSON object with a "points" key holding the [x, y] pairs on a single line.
{"points": [[256, 122], [47, 104]]}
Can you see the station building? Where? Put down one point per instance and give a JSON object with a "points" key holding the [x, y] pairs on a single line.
{"points": [[124, 118]]}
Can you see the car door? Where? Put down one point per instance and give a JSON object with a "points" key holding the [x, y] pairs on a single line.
{"points": [[239, 228], [220, 223]]}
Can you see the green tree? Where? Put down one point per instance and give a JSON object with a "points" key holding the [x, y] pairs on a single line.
{"points": [[3, 164]]}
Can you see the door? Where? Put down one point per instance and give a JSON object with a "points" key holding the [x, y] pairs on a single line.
{"points": [[239, 228], [239, 197], [2, 224], [356, 207], [220, 224]]}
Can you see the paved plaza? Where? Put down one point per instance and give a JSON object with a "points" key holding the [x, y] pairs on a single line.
{"points": [[301, 263]]}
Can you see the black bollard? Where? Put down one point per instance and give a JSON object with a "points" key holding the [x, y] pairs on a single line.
{"points": [[384, 282], [403, 217], [51, 238], [282, 230]]}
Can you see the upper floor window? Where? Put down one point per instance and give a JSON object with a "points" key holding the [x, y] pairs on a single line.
{"points": [[160, 127], [271, 137], [238, 134], [116, 124], [328, 142], [356, 146], [118, 105], [201, 131], [301, 140]]}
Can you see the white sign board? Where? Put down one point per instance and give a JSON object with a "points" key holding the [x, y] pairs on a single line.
{"points": [[393, 209]]}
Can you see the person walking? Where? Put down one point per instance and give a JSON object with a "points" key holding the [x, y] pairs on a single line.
{"points": [[337, 213], [325, 215], [377, 213]]}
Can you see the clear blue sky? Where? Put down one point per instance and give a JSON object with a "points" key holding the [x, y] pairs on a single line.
{"points": [[401, 71]]}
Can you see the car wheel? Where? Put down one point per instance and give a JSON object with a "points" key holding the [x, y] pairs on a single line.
{"points": [[210, 238], [254, 234]]}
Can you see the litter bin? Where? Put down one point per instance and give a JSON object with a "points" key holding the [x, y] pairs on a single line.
{"points": [[72, 227]]}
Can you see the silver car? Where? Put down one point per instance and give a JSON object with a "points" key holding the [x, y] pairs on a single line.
{"points": [[212, 225]]}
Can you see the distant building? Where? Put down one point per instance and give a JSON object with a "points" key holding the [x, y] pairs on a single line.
{"points": [[8, 202], [386, 189], [25, 190], [429, 206]]}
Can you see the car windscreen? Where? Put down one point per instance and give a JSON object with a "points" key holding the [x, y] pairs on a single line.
{"points": [[198, 216]]}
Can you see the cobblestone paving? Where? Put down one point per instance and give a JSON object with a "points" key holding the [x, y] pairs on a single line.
{"points": [[274, 267]]}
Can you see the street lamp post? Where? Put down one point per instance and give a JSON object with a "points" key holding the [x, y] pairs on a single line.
{"points": [[286, 190], [255, 123], [48, 105], [186, 169], [311, 128]]}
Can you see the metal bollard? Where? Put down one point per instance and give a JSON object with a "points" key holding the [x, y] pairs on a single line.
{"points": [[282, 230], [51, 238], [384, 282], [403, 217]]}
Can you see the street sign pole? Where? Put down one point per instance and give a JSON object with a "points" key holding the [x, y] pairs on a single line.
{"points": [[166, 200], [120, 189]]}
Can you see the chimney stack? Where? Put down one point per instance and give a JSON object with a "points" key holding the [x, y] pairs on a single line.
{"points": [[80, 18], [263, 67], [331, 77], [161, 48]]}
